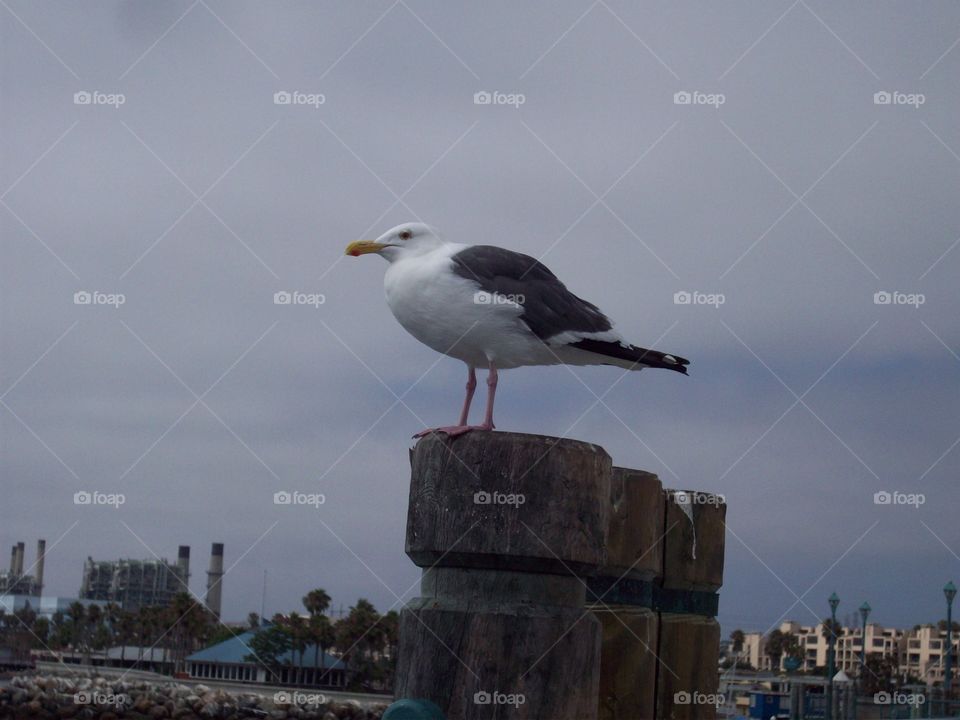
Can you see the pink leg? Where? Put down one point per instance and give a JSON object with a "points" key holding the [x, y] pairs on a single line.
{"points": [[471, 386], [462, 427], [491, 392]]}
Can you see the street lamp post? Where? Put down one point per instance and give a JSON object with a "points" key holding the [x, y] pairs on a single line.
{"points": [[832, 639], [949, 592]]}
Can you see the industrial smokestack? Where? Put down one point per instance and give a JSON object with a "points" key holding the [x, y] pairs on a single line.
{"points": [[41, 553], [20, 549], [214, 576], [183, 563]]}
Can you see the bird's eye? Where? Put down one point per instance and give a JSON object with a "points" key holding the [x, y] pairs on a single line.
{"points": [[405, 234]]}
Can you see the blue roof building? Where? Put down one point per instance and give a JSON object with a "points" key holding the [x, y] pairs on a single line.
{"points": [[228, 661]]}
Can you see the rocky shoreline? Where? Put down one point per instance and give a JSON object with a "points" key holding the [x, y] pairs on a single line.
{"points": [[86, 696]]}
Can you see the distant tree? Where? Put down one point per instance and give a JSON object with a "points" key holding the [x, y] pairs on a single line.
{"points": [[296, 626], [830, 628], [737, 639], [774, 647], [942, 626], [267, 646], [880, 674], [41, 629], [316, 601], [791, 647], [253, 621], [358, 639], [320, 632]]}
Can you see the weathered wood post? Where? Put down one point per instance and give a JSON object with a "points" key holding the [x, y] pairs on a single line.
{"points": [[656, 599], [504, 525], [694, 533], [622, 596]]}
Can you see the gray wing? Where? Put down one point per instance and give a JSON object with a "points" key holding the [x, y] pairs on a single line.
{"points": [[548, 307]]}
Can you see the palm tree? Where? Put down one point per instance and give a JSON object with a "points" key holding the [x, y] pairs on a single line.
{"points": [[774, 647], [357, 635], [317, 602], [298, 641], [737, 639], [320, 631]]}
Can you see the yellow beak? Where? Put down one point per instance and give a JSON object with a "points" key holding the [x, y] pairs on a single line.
{"points": [[363, 247]]}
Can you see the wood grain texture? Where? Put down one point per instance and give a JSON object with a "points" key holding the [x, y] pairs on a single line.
{"points": [[635, 538], [680, 569], [560, 527]]}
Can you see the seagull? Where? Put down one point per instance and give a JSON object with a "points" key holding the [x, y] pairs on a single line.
{"points": [[494, 308]]}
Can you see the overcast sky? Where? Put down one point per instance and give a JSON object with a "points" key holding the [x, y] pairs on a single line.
{"points": [[783, 189]]}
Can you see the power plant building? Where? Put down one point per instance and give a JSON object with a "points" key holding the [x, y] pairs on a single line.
{"points": [[133, 584], [17, 580]]}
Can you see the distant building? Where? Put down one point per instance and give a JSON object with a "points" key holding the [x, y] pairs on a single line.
{"points": [[133, 584], [228, 661], [919, 653], [16, 581]]}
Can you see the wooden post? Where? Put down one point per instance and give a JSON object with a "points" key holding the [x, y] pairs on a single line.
{"points": [[687, 677], [628, 663], [504, 525]]}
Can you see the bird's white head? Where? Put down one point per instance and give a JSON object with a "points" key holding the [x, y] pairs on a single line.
{"points": [[405, 240]]}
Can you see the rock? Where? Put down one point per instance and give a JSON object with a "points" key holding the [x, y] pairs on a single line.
{"points": [[158, 712], [210, 710]]}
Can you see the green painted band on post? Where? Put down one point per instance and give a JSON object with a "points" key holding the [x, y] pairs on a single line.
{"points": [[643, 593]]}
